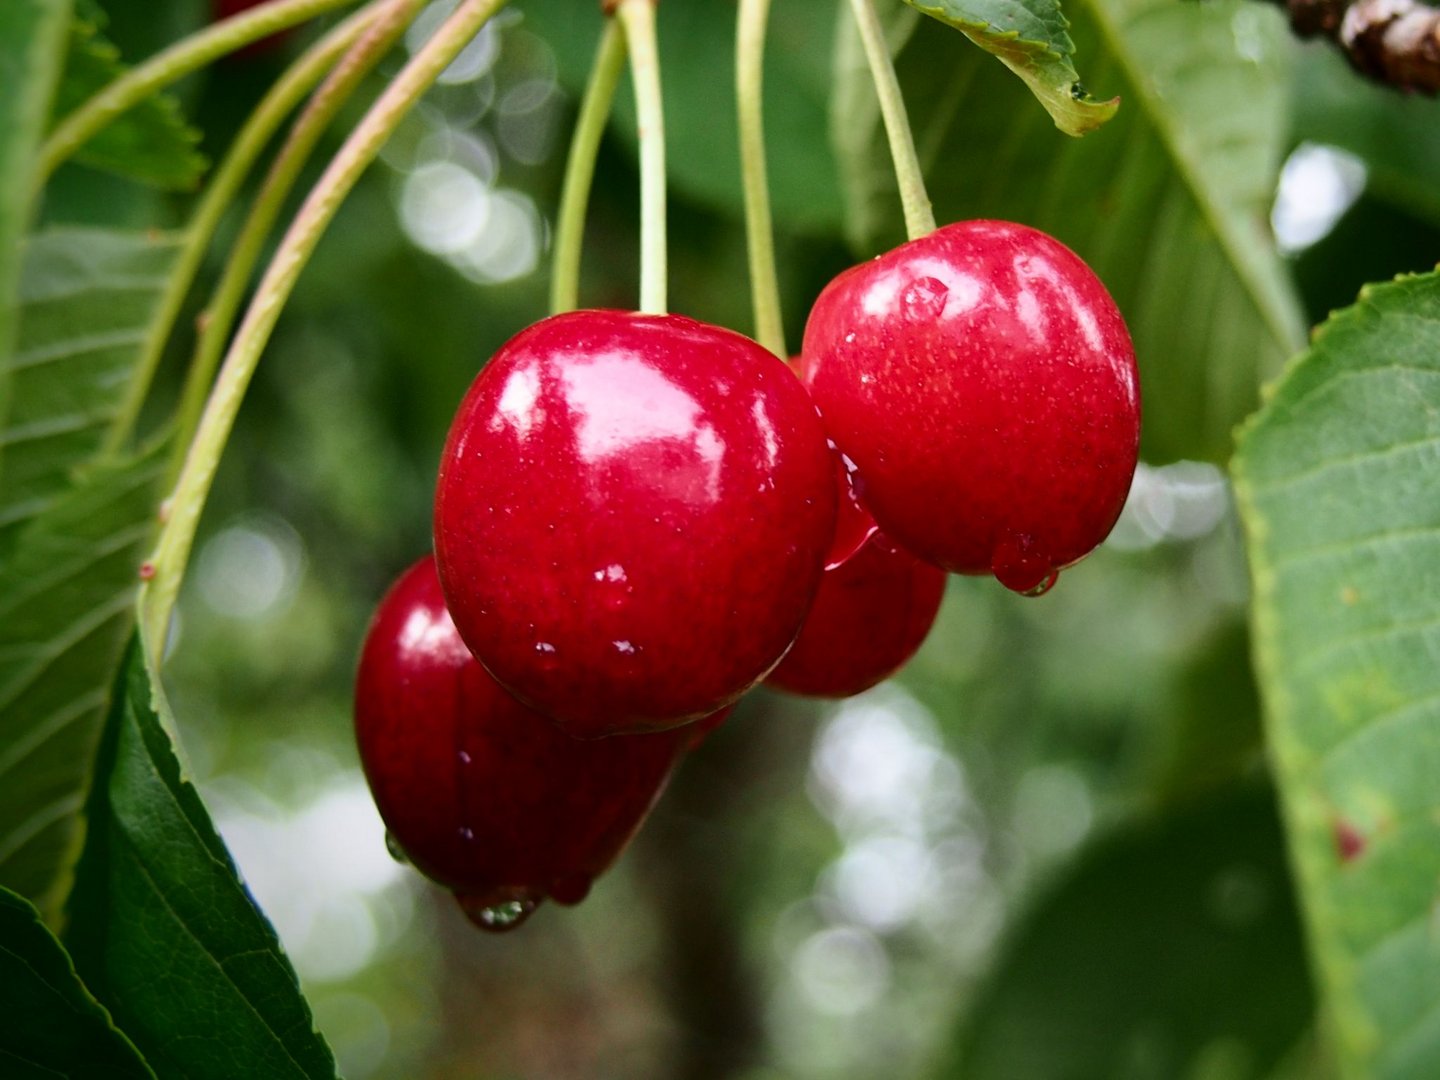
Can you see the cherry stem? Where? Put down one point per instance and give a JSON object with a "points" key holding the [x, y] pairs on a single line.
{"points": [[169, 66], [919, 217], [638, 18], [580, 168], [297, 81], [386, 19], [158, 595], [759, 229]]}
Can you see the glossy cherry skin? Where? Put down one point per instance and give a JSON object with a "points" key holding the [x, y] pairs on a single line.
{"points": [[853, 523], [983, 383], [871, 614], [631, 518], [484, 795]]}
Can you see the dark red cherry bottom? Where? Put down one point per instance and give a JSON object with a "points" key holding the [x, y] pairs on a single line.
{"points": [[479, 792], [869, 617]]}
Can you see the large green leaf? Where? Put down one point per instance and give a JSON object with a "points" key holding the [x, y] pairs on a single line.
{"points": [[152, 142], [1169, 950], [1335, 479], [66, 594], [1031, 38], [697, 49], [50, 1026], [31, 39], [161, 928], [1168, 202], [87, 296]]}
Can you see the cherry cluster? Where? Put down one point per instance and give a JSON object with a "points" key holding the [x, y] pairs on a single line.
{"points": [[640, 517]]}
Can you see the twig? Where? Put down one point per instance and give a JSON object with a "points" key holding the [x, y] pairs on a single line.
{"points": [[1396, 42]]}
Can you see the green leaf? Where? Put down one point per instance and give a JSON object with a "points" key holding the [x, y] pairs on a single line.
{"points": [[151, 143], [1168, 202], [697, 49], [49, 1024], [87, 297], [66, 598], [1030, 38], [1393, 134], [161, 928], [1335, 483], [31, 39], [1169, 950]]}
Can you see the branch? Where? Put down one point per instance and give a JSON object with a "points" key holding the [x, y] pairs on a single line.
{"points": [[1396, 42]]}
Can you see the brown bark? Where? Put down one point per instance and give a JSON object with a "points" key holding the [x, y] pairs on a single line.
{"points": [[1396, 42]]}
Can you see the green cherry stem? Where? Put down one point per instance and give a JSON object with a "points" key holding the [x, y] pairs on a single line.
{"points": [[759, 230], [580, 168], [297, 81], [638, 18], [385, 26], [166, 568], [919, 217], [169, 66]]}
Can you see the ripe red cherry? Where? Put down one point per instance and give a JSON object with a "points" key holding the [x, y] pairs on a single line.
{"points": [[983, 383], [853, 523], [482, 794], [631, 518], [869, 617]]}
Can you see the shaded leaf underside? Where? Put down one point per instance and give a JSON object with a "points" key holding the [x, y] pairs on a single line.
{"points": [[50, 1026], [1031, 38]]}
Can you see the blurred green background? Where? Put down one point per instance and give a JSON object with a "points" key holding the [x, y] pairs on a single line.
{"points": [[1048, 848]]}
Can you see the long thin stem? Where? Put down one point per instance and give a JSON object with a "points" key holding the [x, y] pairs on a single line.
{"points": [[169, 66], [638, 18], [219, 314], [759, 231], [167, 567], [580, 168], [919, 217], [297, 81]]}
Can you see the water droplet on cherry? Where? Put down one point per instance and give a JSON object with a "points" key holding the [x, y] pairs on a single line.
{"points": [[923, 299], [497, 917], [1044, 586], [396, 851]]}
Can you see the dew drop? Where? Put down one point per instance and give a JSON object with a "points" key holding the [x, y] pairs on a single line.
{"points": [[465, 758], [396, 851], [1044, 586], [923, 299], [467, 834], [497, 917]]}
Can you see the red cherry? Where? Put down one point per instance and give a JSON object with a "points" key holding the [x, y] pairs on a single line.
{"points": [[983, 383], [869, 617], [482, 794], [853, 523], [632, 517]]}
